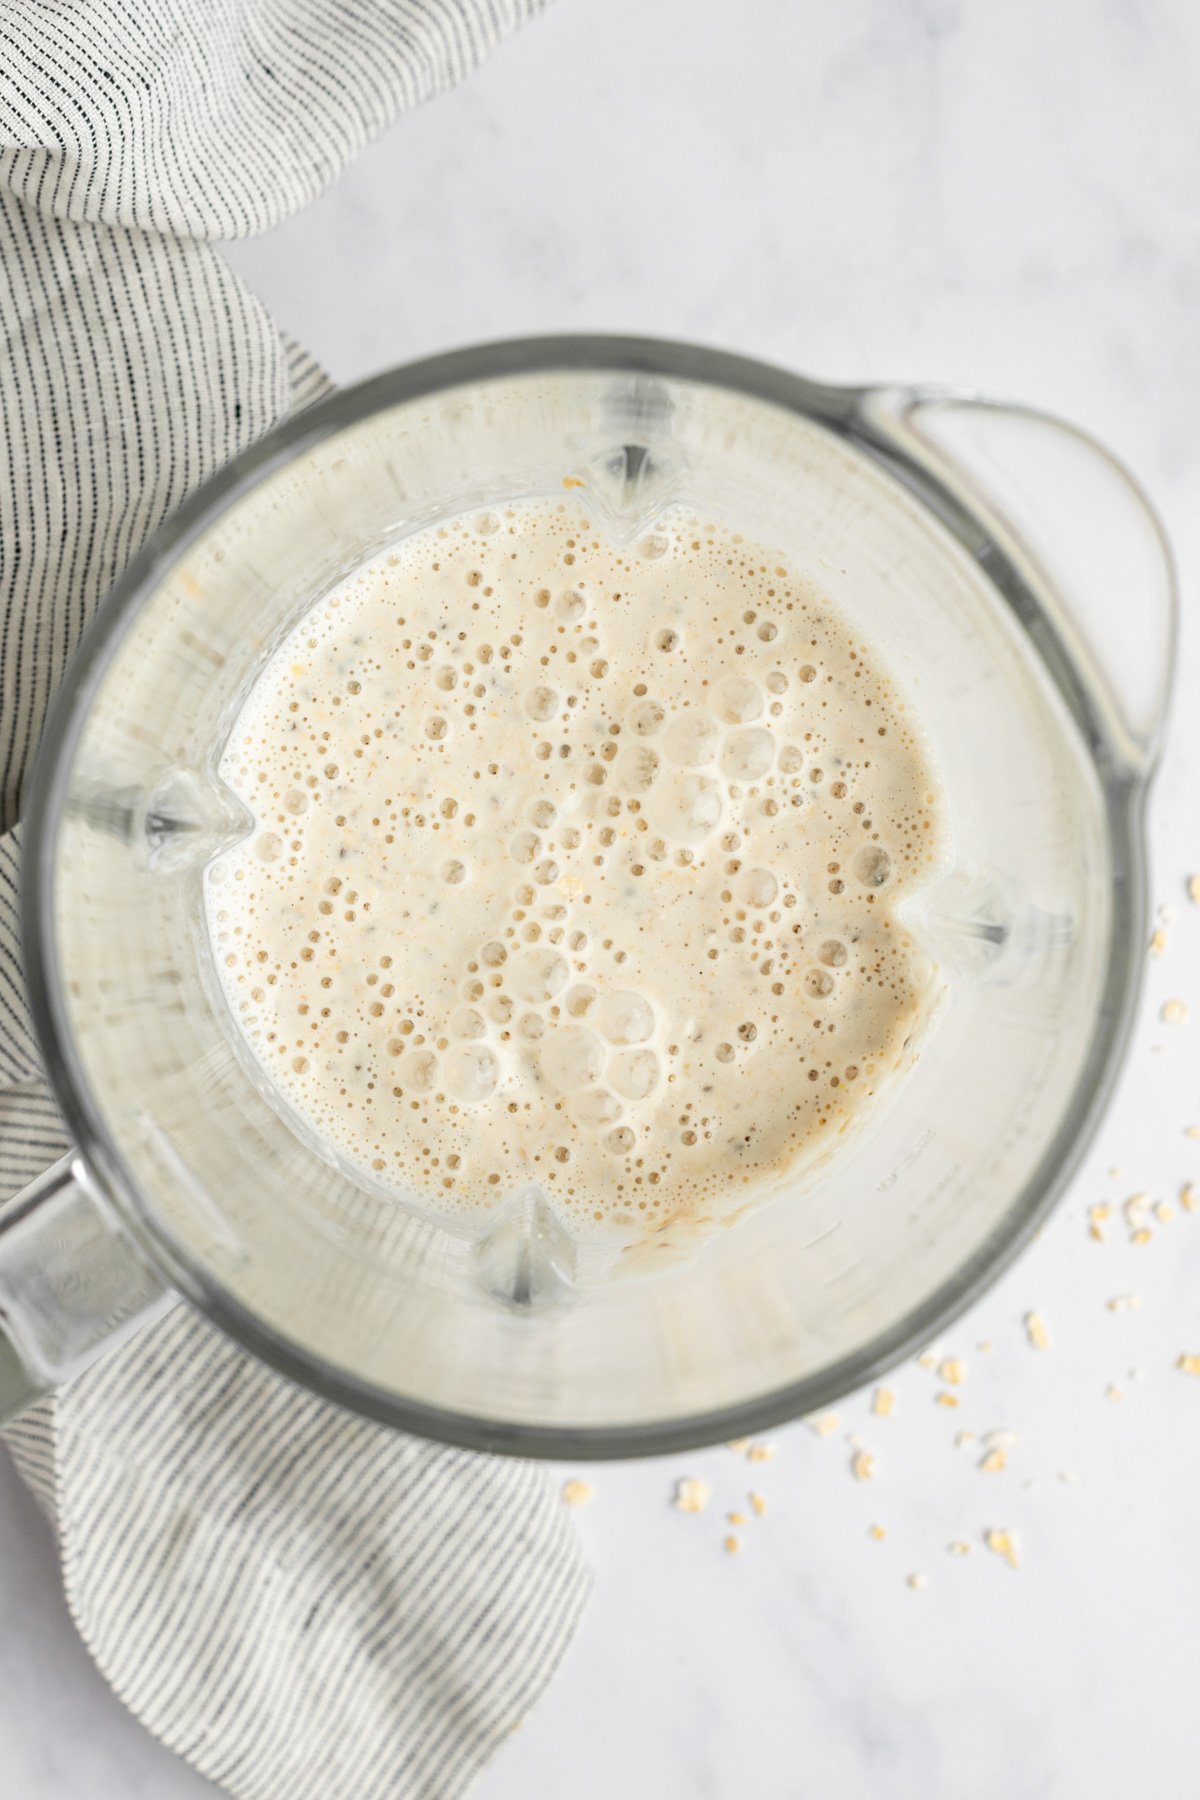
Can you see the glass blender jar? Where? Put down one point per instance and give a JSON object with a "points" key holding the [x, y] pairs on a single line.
{"points": [[1019, 585]]}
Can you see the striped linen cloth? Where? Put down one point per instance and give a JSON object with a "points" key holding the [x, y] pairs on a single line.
{"points": [[302, 1604]]}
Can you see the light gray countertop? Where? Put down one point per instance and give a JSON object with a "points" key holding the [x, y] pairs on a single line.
{"points": [[1003, 196]]}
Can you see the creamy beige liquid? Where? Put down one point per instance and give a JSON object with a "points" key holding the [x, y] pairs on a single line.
{"points": [[577, 864]]}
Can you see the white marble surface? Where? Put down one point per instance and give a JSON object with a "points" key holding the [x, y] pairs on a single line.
{"points": [[1000, 195]]}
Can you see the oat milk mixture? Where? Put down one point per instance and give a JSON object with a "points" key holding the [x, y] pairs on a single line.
{"points": [[577, 864]]}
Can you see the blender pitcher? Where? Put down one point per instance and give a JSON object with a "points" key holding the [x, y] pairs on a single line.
{"points": [[1021, 589]]}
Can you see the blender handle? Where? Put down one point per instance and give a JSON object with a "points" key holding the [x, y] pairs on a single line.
{"points": [[72, 1284], [1076, 526]]}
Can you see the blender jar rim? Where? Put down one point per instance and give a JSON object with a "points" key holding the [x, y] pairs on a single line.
{"points": [[845, 411]]}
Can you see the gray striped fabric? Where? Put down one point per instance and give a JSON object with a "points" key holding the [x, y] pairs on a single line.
{"points": [[302, 1604]]}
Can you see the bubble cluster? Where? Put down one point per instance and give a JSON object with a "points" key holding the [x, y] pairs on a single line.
{"points": [[577, 864]]}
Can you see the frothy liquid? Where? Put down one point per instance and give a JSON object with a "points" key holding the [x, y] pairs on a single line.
{"points": [[576, 864]]}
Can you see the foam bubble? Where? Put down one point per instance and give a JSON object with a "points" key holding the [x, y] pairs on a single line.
{"points": [[646, 718], [687, 807], [536, 976], [523, 846], [739, 701], [625, 1017], [465, 1022], [872, 865], [692, 739], [760, 887], [542, 703], [573, 1058], [635, 1073], [421, 1071], [748, 754], [472, 1072], [596, 1107], [639, 768]]}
